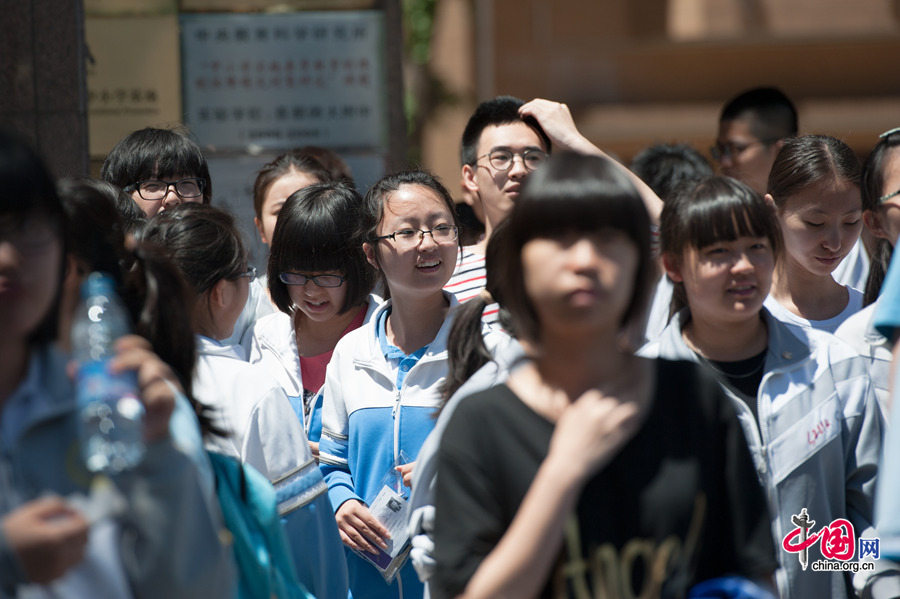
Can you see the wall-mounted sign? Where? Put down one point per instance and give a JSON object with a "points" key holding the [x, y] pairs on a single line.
{"points": [[285, 80]]}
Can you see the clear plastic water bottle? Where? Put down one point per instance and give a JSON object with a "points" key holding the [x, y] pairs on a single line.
{"points": [[112, 414]]}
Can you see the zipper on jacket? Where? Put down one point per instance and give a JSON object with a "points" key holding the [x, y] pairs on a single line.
{"points": [[395, 417]]}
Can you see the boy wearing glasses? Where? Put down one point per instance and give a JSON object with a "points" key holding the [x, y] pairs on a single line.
{"points": [[504, 141], [159, 169], [752, 128]]}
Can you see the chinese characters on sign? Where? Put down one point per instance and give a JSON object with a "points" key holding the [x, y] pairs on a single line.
{"points": [[277, 81]]}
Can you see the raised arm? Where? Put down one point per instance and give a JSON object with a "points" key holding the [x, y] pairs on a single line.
{"points": [[557, 122]]}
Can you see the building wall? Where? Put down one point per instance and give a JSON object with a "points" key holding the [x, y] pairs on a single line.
{"points": [[637, 72]]}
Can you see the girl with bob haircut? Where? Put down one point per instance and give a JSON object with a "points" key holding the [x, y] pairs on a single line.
{"points": [[804, 399], [814, 186], [164, 541], [251, 407], [159, 168], [548, 482], [320, 280], [383, 383], [866, 330], [275, 182]]}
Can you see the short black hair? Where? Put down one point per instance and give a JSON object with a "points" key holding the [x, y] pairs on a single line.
{"points": [[318, 230], [201, 240], [712, 210], [501, 110], [574, 193], [773, 115], [153, 153], [666, 167]]}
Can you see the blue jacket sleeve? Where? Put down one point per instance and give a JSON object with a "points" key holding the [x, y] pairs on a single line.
{"points": [[334, 443]]}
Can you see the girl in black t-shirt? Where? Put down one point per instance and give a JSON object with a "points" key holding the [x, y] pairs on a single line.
{"points": [[591, 472]]}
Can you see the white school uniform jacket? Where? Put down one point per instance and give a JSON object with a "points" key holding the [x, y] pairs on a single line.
{"points": [[860, 333], [265, 433], [274, 348], [817, 444]]}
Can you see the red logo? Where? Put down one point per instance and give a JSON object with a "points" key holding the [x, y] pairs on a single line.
{"points": [[836, 541]]}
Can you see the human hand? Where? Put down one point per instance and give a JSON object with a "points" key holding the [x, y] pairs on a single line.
{"points": [[314, 448], [557, 122], [359, 529], [406, 471], [47, 536], [133, 352], [591, 431]]}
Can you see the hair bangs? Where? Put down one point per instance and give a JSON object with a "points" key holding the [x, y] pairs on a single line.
{"points": [[315, 245], [727, 220], [580, 205]]}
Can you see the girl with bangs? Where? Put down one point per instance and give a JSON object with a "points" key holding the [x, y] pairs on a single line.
{"points": [[551, 483], [320, 281], [804, 399]]}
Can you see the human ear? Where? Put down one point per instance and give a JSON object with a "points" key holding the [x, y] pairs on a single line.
{"points": [[468, 179], [369, 251], [220, 294], [874, 222], [673, 267], [770, 201], [259, 227]]}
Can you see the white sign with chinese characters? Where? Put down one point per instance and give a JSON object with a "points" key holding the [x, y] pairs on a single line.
{"points": [[285, 80]]}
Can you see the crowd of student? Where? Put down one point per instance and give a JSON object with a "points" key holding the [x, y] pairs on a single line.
{"points": [[636, 382]]}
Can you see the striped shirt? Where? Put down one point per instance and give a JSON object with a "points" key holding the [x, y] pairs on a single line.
{"points": [[468, 280]]}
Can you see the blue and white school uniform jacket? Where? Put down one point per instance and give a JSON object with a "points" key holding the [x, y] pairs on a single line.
{"points": [[274, 348], [817, 444], [367, 422], [265, 433]]}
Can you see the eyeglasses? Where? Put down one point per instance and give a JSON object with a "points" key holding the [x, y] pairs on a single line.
{"points": [[250, 273], [409, 238], [502, 160], [885, 135], [732, 149], [155, 189], [296, 278]]}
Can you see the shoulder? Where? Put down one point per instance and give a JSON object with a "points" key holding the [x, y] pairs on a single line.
{"points": [[854, 330], [275, 328], [484, 407]]}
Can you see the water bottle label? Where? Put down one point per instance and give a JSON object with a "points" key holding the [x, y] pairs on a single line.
{"points": [[95, 382], [111, 417]]}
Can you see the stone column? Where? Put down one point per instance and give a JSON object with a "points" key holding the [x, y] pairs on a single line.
{"points": [[43, 93]]}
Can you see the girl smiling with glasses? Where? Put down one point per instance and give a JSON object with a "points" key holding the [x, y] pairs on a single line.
{"points": [[384, 380]]}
